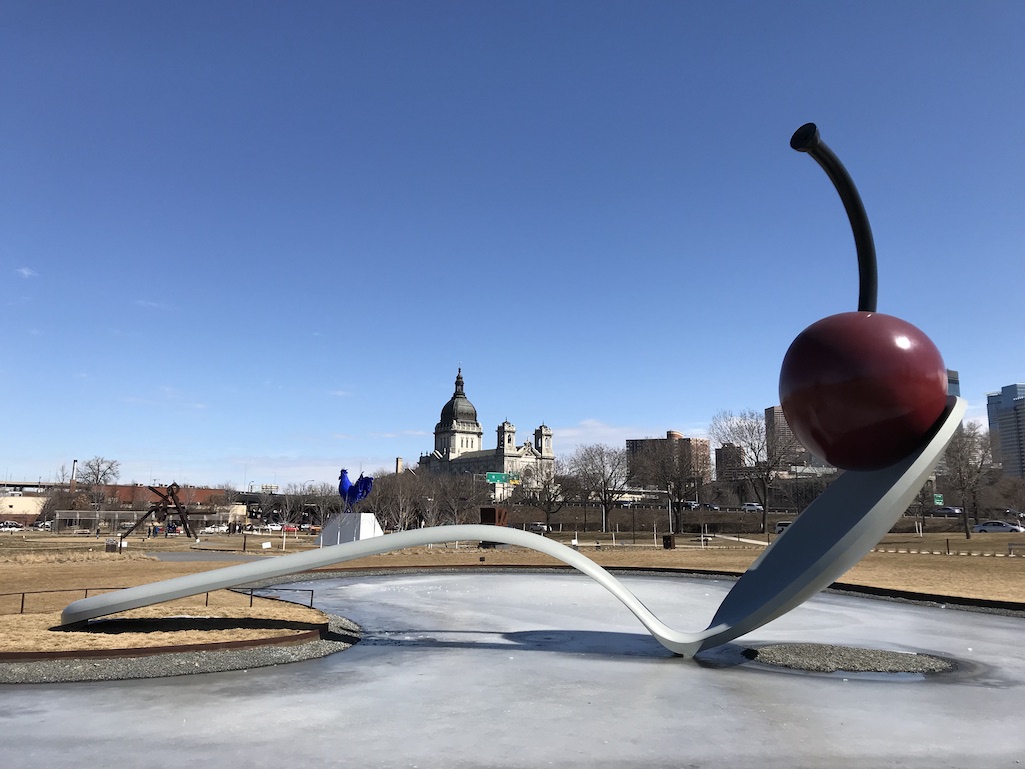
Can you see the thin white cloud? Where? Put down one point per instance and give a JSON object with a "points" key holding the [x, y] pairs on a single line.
{"points": [[400, 434], [979, 416], [592, 431], [27, 272], [589, 431], [341, 393], [164, 397]]}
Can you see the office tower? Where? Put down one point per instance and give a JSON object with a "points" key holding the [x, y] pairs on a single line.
{"points": [[1006, 410]]}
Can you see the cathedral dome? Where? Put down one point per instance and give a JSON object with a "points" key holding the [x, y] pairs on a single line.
{"points": [[458, 409]]}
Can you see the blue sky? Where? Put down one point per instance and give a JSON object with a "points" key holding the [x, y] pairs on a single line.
{"points": [[253, 241]]}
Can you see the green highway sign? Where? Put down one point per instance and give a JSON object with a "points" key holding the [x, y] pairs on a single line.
{"points": [[937, 499], [498, 477]]}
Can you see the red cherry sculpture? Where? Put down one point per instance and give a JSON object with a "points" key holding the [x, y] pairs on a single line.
{"points": [[862, 389]]}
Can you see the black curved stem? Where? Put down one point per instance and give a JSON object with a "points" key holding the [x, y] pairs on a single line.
{"points": [[806, 139]]}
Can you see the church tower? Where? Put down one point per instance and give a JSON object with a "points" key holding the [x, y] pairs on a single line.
{"points": [[458, 430], [543, 442], [506, 438]]}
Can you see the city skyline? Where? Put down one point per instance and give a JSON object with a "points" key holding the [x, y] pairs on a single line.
{"points": [[254, 243]]}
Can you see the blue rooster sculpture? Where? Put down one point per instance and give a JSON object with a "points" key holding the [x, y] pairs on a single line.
{"points": [[350, 492]]}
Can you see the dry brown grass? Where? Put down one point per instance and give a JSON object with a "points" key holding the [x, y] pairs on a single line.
{"points": [[46, 563], [39, 631]]}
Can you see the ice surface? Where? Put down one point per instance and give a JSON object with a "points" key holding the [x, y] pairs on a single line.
{"points": [[528, 670]]}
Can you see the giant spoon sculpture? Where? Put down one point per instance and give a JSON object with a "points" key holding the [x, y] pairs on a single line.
{"points": [[865, 391]]}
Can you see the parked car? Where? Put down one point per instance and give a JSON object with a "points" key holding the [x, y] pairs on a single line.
{"points": [[538, 527], [710, 506], [946, 511], [10, 526], [1004, 526], [782, 526], [751, 507], [691, 505]]}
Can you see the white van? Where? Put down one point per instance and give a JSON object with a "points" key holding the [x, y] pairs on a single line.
{"points": [[751, 507]]}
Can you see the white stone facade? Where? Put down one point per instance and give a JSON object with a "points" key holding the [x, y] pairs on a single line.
{"points": [[458, 445]]}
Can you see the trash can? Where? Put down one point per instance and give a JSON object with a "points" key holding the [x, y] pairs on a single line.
{"points": [[668, 541], [110, 546]]}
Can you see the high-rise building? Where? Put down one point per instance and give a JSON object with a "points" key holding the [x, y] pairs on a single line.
{"points": [[1006, 411], [780, 439], [729, 462], [953, 383], [693, 455]]}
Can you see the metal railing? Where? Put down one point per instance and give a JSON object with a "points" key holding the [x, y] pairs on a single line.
{"points": [[85, 591]]}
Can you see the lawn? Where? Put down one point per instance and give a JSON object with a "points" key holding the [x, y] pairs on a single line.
{"points": [[31, 562]]}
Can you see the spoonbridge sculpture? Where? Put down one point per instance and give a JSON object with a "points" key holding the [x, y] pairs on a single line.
{"points": [[864, 390]]}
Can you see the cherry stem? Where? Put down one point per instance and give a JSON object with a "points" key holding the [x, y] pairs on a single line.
{"points": [[806, 139]]}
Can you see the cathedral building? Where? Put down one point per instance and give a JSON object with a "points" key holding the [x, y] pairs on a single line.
{"points": [[459, 445]]}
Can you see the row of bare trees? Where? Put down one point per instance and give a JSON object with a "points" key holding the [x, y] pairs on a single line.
{"points": [[409, 499], [594, 473], [968, 478], [94, 476], [598, 473]]}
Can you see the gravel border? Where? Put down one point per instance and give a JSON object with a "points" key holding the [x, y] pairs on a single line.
{"points": [[342, 633]]}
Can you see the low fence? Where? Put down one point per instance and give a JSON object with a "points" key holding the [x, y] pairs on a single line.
{"points": [[19, 598]]}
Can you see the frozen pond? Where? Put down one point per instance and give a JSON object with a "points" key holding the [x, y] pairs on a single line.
{"points": [[548, 669]]}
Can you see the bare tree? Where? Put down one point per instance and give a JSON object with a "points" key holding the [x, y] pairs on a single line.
{"points": [[923, 501], [1007, 492], [188, 496], [60, 496], [547, 491], [142, 498], [225, 500], [62, 477], [269, 503], [294, 499], [601, 471], [228, 494], [967, 460], [395, 499], [675, 467], [458, 497], [428, 506], [762, 463], [477, 493], [325, 502], [98, 473]]}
